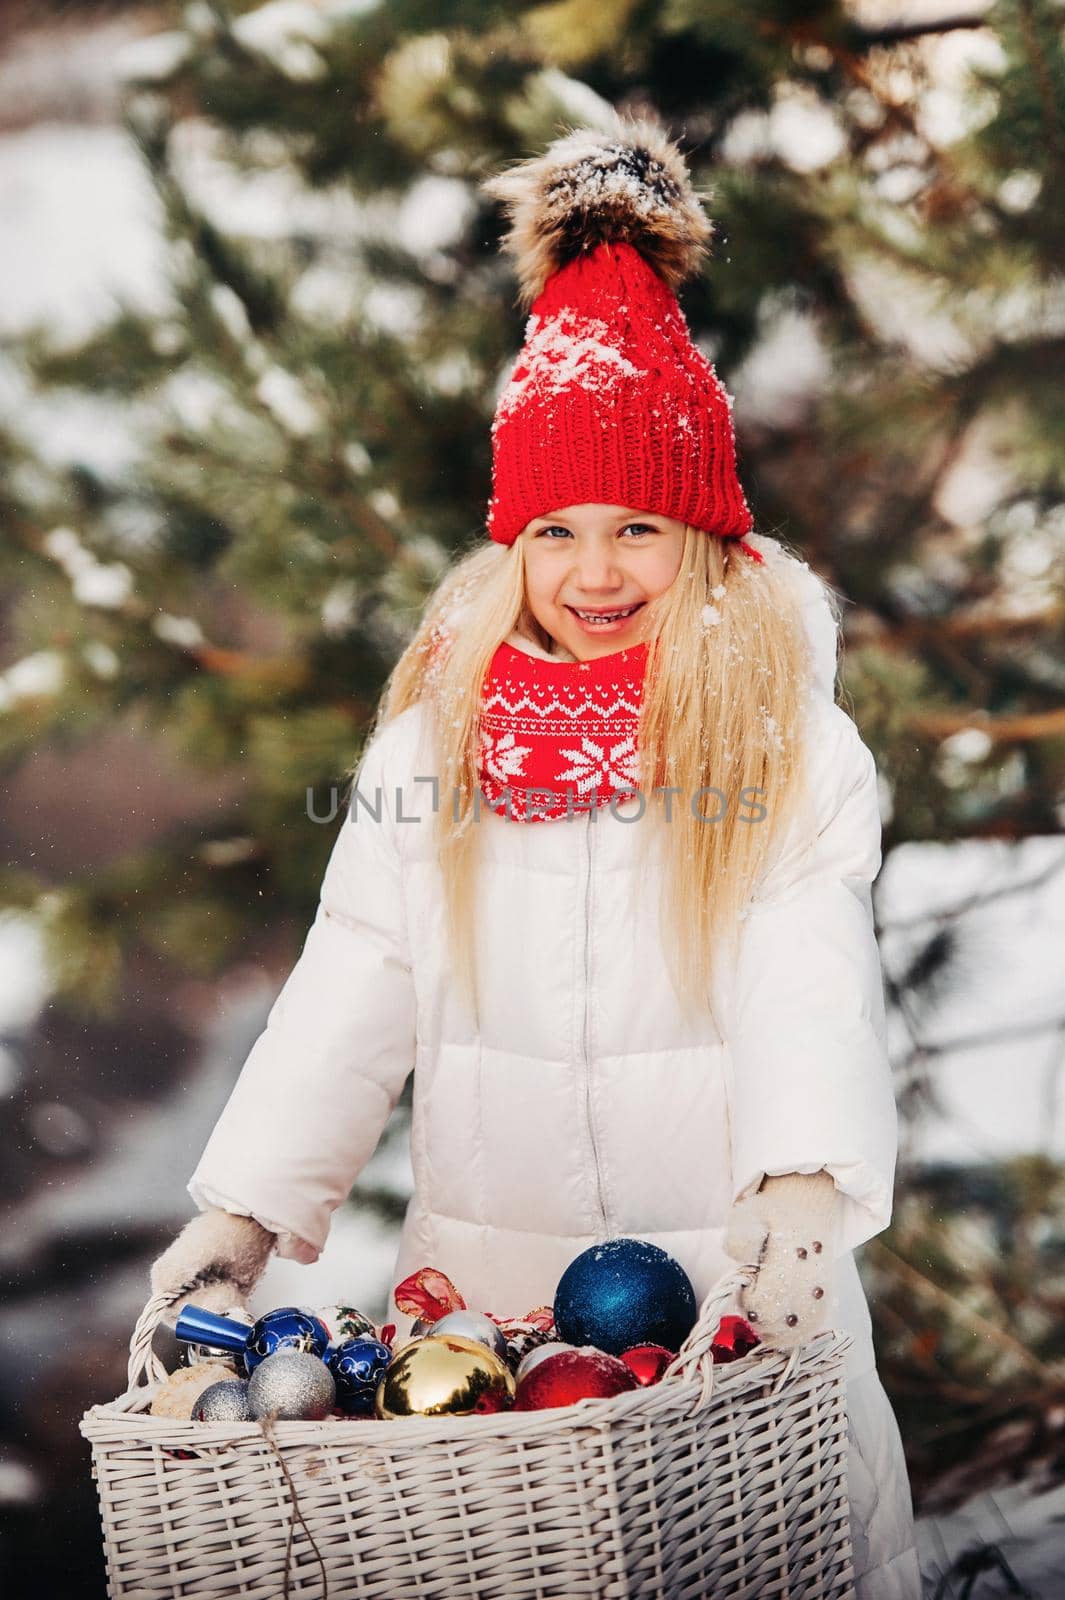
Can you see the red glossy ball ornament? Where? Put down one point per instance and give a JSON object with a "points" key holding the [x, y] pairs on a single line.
{"points": [[734, 1339], [573, 1375], [647, 1362]]}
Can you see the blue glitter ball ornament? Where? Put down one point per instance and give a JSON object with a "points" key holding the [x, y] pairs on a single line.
{"points": [[357, 1365], [623, 1293]]}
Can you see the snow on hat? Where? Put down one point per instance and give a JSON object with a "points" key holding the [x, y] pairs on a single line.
{"points": [[610, 402]]}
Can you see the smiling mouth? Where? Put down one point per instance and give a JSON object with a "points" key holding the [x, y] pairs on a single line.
{"points": [[606, 616]]}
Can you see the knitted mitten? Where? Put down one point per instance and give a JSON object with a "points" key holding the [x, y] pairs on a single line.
{"points": [[787, 1234], [221, 1254]]}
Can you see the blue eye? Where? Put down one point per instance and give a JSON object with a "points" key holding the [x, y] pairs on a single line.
{"points": [[640, 527]]}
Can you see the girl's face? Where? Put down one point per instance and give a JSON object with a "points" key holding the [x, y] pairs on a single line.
{"points": [[593, 572]]}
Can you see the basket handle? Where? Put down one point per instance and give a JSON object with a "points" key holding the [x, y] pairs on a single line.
{"points": [[144, 1364], [694, 1360]]}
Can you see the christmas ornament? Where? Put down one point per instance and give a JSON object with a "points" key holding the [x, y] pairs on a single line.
{"points": [[287, 1328], [538, 1353], [573, 1375], [472, 1325], [196, 1353], [623, 1293], [522, 1338], [181, 1389], [446, 1376], [344, 1322], [427, 1295], [734, 1339], [543, 1319], [226, 1401], [647, 1362], [357, 1365], [291, 1384]]}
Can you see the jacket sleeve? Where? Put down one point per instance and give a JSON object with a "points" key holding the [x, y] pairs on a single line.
{"points": [[811, 1079], [321, 1080]]}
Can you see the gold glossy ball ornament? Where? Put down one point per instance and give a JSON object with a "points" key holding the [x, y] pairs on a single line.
{"points": [[444, 1376]]}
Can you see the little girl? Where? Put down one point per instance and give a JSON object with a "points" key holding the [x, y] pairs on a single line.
{"points": [[604, 881]]}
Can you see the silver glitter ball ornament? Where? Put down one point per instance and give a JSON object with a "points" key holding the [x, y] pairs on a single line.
{"points": [[292, 1385], [226, 1401], [533, 1358], [473, 1325]]}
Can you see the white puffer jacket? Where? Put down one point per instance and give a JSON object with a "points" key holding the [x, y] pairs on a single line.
{"points": [[584, 1106]]}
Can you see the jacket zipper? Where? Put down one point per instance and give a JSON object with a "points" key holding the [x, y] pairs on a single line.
{"points": [[589, 1115]]}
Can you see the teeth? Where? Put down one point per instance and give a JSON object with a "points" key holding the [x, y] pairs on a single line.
{"points": [[604, 616]]}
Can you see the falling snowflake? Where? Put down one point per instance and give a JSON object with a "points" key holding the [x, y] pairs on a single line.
{"points": [[718, 592], [593, 761], [711, 616], [501, 758]]}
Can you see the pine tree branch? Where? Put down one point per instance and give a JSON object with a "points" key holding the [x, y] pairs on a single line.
{"points": [[975, 902], [980, 1041], [900, 32], [869, 628], [980, 1325], [283, 672], [1020, 726], [1048, 103]]}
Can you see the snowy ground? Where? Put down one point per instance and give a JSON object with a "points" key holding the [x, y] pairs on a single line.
{"points": [[1025, 1528], [998, 1082]]}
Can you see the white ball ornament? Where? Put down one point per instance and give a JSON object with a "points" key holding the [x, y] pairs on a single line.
{"points": [[345, 1322], [534, 1357]]}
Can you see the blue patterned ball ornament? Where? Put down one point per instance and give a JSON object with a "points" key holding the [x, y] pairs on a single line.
{"points": [[287, 1328], [357, 1365], [623, 1293]]}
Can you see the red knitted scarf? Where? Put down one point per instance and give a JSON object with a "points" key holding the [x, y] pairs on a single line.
{"points": [[558, 738]]}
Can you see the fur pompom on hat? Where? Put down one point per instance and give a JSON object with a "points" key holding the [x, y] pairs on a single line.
{"points": [[609, 400]]}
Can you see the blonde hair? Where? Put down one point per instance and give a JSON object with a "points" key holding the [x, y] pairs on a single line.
{"points": [[722, 709]]}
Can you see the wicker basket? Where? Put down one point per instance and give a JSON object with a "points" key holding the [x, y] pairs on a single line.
{"points": [[712, 1483]]}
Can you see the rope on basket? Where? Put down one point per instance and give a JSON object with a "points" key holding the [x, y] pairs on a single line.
{"points": [[266, 1427]]}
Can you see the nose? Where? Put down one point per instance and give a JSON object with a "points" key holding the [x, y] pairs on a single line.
{"points": [[596, 571]]}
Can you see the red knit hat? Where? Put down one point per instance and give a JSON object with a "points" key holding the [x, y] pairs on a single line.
{"points": [[609, 401]]}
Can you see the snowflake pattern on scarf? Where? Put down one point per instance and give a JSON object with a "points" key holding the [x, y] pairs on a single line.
{"points": [[503, 758], [592, 762], [566, 729]]}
